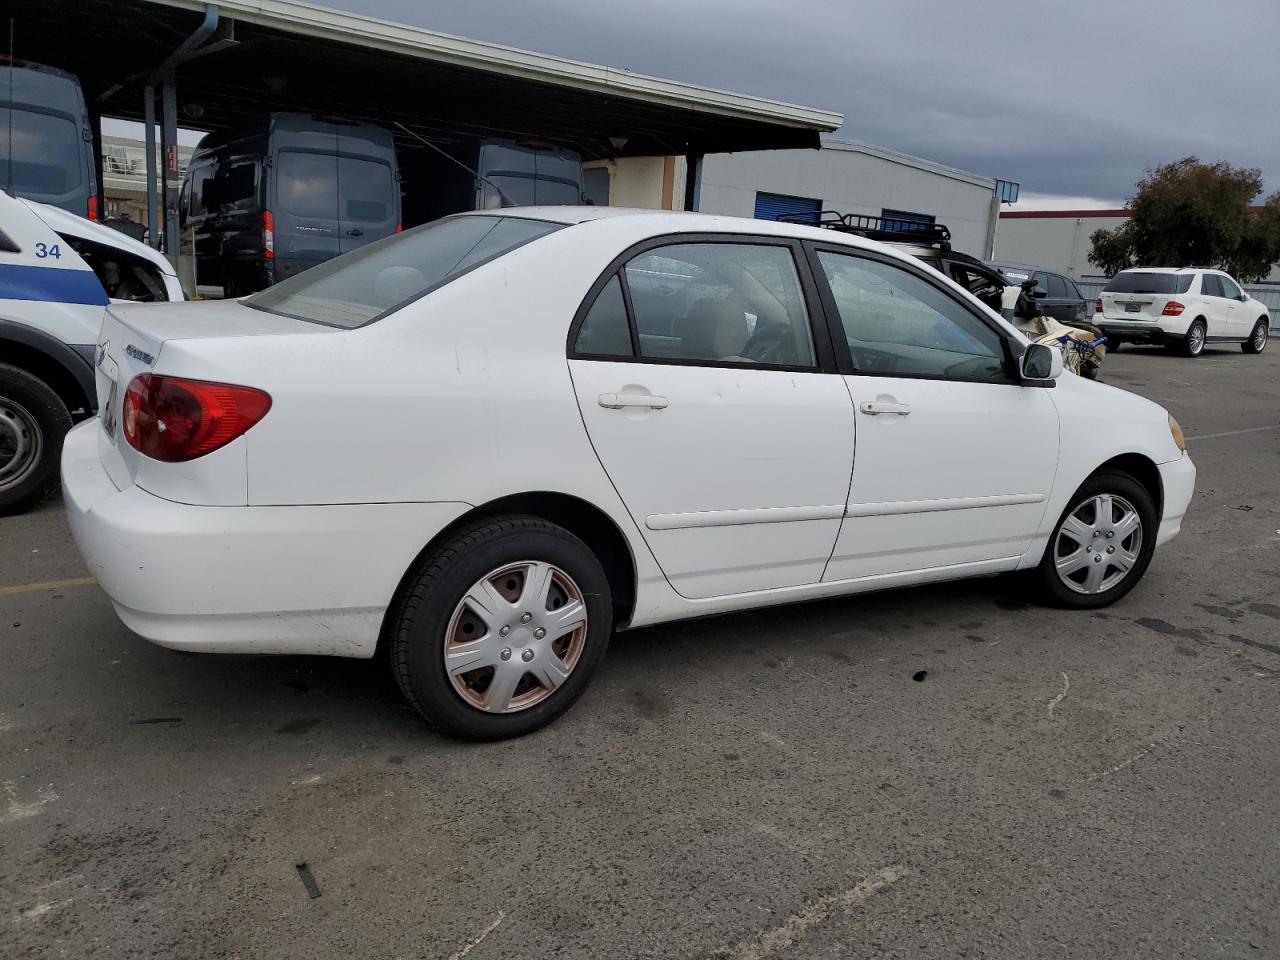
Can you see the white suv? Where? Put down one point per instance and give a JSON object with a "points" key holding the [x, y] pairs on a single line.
{"points": [[1184, 308]]}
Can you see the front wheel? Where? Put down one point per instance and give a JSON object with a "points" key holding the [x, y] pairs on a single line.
{"points": [[1257, 341], [501, 628], [33, 421], [1101, 545]]}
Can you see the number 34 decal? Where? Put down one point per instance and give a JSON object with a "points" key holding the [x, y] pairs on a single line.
{"points": [[44, 250]]}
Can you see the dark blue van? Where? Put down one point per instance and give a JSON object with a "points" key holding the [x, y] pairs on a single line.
{"points": [[46, 143]]}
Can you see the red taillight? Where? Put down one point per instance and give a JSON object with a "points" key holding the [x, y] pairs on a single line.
{"points": [[1097, 305], [268, 235], [93, 207], [399, 227], [1172, 309], [172, 419]]}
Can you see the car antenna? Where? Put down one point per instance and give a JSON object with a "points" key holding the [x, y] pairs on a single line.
{"points": [[502, 197]]}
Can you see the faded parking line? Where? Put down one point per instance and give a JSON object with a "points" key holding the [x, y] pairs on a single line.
{"points": [[1233, 433], [47, 585]]}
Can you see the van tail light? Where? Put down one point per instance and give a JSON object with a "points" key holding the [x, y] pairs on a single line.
{"points": [[1172, 309], [1097, 305], [268, 235], [399, 228], [93, 207], [174, 420]]}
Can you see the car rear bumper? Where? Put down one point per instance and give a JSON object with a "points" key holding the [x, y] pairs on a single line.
{"points": [[298, 580], [1178, 480], [1149, 331]]}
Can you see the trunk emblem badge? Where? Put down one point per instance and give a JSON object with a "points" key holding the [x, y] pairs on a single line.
{"points": [[137, 354]]}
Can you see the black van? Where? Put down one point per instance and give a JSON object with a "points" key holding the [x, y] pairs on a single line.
{"points": [[265, 202], [46, 143]]}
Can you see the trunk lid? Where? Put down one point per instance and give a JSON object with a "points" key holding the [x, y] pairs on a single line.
{"points": [[131, 341], [1133, 306]]}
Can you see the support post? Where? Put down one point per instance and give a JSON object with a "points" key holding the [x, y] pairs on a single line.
{"points": [[692, 180], [149, 121], [172, 184]]}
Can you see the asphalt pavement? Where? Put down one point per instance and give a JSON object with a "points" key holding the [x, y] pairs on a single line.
{"points": [[938, 772]]}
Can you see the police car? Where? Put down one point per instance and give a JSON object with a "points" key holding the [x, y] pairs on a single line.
{"points": [[58, 273]]}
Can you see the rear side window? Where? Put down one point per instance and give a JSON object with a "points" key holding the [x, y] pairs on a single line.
{"points": [[364, 190], [1138, 281], [375, 280], [123, 275], [307, 184], [605, 331]]}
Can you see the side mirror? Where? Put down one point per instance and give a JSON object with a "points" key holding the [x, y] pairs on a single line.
{"points": [[1039, 294], [1041, 364]]}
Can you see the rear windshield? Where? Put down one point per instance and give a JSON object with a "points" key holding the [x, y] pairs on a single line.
{"points": [[369, 283], [39, 153], [1139, 282]]}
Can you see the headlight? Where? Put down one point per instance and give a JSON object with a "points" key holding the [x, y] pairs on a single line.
{"points": [[1176, 430]]}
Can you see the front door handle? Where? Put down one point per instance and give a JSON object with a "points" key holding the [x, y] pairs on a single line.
{"points": [[873, 408], [616, 401]]}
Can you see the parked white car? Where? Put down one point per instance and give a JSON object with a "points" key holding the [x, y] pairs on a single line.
{"points": [[58, 272], [495, 439], [1184, 309]]}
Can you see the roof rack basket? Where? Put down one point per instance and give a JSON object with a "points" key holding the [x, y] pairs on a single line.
{"points": [[874, 228]]}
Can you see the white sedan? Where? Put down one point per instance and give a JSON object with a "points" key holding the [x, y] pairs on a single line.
{"points": [[489, 442]]}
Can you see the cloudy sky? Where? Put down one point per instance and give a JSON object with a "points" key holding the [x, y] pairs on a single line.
{"points": [[1073, 99]]}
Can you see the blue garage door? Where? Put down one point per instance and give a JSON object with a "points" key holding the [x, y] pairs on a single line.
{"points": [[769, 206]]}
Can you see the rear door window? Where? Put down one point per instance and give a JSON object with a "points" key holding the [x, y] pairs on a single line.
{"points": [[307, 184], [1211, 286], [722, 303], [39, 153], [1057, 287], [365, 190]]}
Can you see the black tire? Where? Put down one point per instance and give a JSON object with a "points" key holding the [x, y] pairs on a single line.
{"points": [[1258, 337], [1192, 344], [1091, 371], [1113, 346], [33, 421], [436, 588], [1050, 585]]}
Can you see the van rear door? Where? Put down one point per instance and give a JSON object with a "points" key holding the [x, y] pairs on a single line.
{"points": [[368, 200], [305, 211]]}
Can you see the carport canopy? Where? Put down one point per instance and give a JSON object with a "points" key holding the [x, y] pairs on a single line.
{"points": [[259, 56]]}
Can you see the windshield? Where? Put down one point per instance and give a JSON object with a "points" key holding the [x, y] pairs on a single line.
{"points": [[1139, 282], [371, 282], [43, 157]]}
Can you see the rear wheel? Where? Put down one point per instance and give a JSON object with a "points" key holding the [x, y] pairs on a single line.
{"points": [[501, 628], [33, 421], [1102, 544], [1257, 341], [1193, 343]]}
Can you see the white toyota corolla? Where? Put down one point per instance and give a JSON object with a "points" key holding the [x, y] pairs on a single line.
{"points": [[495, 439]]}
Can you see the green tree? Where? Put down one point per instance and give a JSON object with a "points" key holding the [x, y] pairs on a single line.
{"points": [[1188, 212]]}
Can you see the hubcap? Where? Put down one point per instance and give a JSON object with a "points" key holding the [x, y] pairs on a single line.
{"points": [[20, 444], [1098, 544], [1260, 336], [515, 636], [1197, 338]]}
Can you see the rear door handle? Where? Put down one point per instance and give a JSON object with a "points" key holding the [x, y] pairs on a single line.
{"points": [[873, 408], [355, 233], [616, 401]]}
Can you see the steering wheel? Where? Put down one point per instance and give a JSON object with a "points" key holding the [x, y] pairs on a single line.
{"points": [[873, 361]]}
